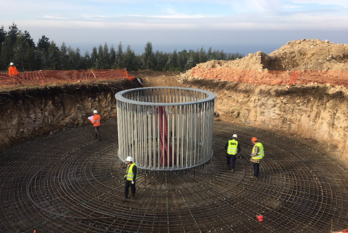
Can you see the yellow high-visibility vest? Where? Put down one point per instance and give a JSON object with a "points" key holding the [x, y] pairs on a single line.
{"points": [[130, 174], [261, 152], [232, 148]]}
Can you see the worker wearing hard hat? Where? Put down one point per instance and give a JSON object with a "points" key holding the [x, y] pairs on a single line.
{"points": [[13, 72], [257, 155], [130, 177], [233, 148], [96, 122]]}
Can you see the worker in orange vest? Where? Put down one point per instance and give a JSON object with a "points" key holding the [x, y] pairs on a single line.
{"points": [[96, 122], [13, 72]]}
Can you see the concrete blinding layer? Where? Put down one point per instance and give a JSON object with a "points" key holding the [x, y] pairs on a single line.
{"points": [[165, 128]]}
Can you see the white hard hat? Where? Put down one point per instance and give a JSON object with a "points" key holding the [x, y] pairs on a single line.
{"points": [[95, 111], [234, 135], [129, 159], [11, 64]]}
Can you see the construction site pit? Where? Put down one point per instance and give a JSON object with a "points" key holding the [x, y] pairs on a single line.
{"points": [[56, 177], [68, 181]]}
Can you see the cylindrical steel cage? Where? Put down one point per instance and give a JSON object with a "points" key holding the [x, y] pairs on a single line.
{"points": [[165, 128]]}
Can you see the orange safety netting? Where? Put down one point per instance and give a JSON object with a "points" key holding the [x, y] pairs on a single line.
{"points": [[266, 77], [61, 77]]}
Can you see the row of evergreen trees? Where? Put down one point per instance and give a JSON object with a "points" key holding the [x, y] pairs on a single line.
{"points": [[18, 47]]}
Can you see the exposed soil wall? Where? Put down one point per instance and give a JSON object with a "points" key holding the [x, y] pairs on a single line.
{"points": [[315, 112], [254, 91], [33, 112]]}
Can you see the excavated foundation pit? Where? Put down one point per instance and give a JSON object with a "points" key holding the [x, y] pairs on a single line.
{"points": [[70, 182]]}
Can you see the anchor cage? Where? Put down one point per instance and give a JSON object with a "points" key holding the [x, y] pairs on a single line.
{"points": [[165, 128]]}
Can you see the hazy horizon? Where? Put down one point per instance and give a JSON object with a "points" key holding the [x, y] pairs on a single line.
{"points": [[230, 25]]}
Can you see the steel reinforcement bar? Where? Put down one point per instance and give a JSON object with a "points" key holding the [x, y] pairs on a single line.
{"points": [[165, 128], [68, 181]]}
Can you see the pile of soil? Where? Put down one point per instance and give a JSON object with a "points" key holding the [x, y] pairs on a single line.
{"points": [[300, 55], [295, 55], [315, 111]]}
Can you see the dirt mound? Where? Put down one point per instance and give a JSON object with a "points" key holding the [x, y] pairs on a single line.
{"points": [[251, 62], [301, 55], [309, 55], [295, 55]]}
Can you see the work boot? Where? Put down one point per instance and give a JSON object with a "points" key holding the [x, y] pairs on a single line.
{"points": [[232, 170], [126, 196], [133, 196]]}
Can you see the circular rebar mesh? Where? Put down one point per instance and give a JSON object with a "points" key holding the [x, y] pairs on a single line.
{"points": [[165, 128], [70, 182]]}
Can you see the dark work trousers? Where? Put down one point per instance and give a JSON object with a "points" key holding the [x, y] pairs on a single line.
{"points": [[231, 160], [256, 167], [126, 188], [97, 134]]}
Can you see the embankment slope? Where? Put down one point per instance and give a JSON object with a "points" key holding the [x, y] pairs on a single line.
{"points": [[32, 112], [311, 111]]}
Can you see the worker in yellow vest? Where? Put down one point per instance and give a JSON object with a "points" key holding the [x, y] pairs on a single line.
{"points": [[257, 155], [232, 148], [130, 177]]}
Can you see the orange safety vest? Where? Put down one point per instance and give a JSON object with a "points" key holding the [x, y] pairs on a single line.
{"points": [[96, 120], [12, 71]]}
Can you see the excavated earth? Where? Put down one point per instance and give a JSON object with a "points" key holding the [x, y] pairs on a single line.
{"points": [[55, 177], [310, 54]]}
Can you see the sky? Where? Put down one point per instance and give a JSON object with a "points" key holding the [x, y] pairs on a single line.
{"points": [[244, 26]]}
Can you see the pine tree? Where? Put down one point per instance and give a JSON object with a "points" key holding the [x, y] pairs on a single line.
{"points": [[112, 57], [13, 32], [100, 64], [6, 52], [38, 60], [130, 60], [215, 55], [29, 57], [160, 61], [43, 43], [182, 59], [202, 56], [172, 62], [148, 57], [78, 58], [94, 57], [191, 61], [209, 54], [71, 60], [222, 55], [3, 34], [119, 60], [23, 53], [28, 39], [45, 63], [63, 57], [86, 62], [53, 56], [19, 52], [106, 59]]}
